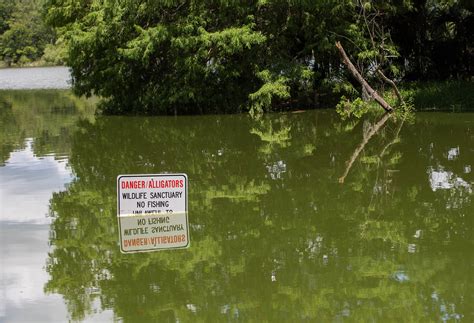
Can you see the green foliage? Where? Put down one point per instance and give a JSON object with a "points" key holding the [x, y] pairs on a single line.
{"points": [[164, 57], [436, 38], [149, 57], [6, 9], [347, 108], [23, 34], [55, 54], [273, 87]]}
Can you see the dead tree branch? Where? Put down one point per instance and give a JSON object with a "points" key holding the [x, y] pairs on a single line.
{"points": [[393, 85], [361, 80]]}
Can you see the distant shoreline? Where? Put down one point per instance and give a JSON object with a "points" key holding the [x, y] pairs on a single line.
{"points": [[3, 65], [3, 68]]}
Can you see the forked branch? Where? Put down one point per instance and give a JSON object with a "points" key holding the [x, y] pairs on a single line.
{"points": [[361, 80]]}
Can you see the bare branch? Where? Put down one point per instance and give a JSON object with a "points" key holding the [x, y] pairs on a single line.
{"points": [[394, 86], [361, 80]]}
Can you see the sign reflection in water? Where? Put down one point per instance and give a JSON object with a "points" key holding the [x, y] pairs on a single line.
{"points": [[275, 235]]}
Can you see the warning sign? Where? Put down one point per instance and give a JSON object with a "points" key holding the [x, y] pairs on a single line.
{"points": [[152, 212]]}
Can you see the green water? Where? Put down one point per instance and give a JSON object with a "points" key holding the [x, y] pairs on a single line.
{"points": [[293, 217]]}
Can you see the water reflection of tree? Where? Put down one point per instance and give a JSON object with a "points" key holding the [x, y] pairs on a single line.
{"points": [[300, 247], [46, 116]]}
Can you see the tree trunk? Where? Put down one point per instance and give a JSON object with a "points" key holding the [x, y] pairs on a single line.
{"points": [[361, 80]]}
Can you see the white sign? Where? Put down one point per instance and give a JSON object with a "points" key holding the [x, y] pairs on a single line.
{"points": [[152, 212]]}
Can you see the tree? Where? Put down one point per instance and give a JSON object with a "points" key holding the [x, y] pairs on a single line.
{"points": [[173, 57], [435, 38], [6, 9], [161, 56], [23, 34]]}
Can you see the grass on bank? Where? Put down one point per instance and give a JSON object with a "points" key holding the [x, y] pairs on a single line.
{"points": [[451, 95], [456, 96]]}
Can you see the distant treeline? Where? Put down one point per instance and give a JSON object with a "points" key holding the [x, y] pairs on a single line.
{"points": [[24, 36], [164, 56]]}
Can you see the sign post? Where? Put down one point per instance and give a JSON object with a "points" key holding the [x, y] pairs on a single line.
{"points": [[152, 212]]}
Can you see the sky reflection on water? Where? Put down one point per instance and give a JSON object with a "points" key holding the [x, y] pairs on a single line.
{"points": [[27, 184]]}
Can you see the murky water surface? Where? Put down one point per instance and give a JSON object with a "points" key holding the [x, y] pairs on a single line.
{"points": [[294, 217]]}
